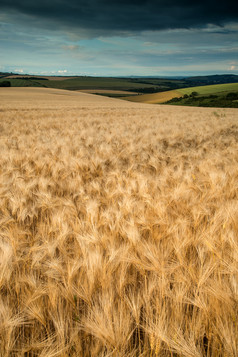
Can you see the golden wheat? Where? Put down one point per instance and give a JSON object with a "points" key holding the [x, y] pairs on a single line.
{"points": [[118, 227]]}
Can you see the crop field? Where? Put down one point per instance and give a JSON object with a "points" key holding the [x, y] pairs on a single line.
{"points": [[118, 227]]}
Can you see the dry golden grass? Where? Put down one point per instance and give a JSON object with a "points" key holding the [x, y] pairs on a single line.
{"points": [[118, 227]]}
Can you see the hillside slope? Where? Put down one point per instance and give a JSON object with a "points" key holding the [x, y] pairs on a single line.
{"points": [[211, 89], [162, 97]]}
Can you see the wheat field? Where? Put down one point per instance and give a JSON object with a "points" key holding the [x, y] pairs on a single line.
{"points": [[118, 227]]}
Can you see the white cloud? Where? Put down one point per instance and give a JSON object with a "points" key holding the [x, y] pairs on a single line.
{"points": [[232, 68], [70, 47], [18, 70], [62, 71]]}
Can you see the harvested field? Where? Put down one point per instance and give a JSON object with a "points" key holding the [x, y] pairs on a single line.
{"points": [[118, 227]]}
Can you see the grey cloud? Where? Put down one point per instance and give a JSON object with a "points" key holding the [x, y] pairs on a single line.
{"points": [[122, 15]]}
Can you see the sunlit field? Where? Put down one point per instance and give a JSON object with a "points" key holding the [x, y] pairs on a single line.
{"points": [[118, 227]]}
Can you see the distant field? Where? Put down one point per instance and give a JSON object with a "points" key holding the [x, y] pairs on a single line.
{"points": [[16, 82], [103, 91], [118, 227], [109, 92], [50, 78], [96, 83], [152, 90], [155, 98], [81, 83]]}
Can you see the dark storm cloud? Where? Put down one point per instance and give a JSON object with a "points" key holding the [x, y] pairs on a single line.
{"points": [[125, 15]]}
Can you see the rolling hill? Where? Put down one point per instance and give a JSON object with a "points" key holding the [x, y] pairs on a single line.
{"points": [[141, 85], [210, 89], [201, 92]]}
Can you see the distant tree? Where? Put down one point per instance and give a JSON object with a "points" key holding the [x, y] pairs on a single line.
{"points": [[5, 84], [175, 99], [194, 94], [185, 96], [232, 96]]}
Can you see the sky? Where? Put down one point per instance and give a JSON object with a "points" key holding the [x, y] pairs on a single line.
{"points": [[119, 38]]}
